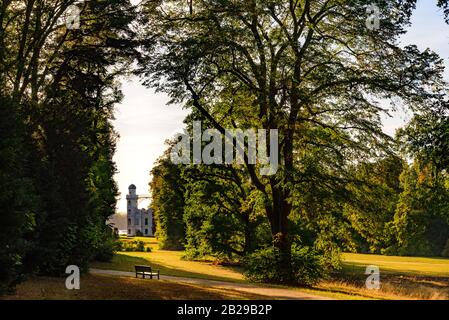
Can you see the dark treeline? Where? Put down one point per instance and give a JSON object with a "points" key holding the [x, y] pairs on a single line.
{"points": [[58, 89], [316, 72]]}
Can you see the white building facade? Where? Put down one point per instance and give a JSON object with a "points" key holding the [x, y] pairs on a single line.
{"points": [[140, 221]]}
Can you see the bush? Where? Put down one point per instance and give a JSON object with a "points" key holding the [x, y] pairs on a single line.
{"points": [[260, 266], [307, 266], [107, 249], [135, 246], [263, 266]]}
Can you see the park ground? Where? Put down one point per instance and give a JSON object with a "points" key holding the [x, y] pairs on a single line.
{"points": [[401, 278]]}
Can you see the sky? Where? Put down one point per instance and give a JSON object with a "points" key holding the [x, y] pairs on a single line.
{"points": [[144, 121]]}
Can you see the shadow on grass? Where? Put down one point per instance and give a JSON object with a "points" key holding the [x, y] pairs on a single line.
{"points": [[107, 287], [123, 262]]}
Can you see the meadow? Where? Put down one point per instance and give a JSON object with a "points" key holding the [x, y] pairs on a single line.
{"points": [[401, 277]]}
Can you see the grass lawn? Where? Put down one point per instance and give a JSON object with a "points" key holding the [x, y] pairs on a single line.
{"points": [[102, 287], [169, 263], [401, 277], [414, 266]]}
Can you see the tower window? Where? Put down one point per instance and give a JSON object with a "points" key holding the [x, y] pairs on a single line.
{"points": [[129, 221], [146, 231], [146, 221]]}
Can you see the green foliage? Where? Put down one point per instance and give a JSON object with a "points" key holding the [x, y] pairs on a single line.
{"points": [[307, 265], [109, 245], [421, 222], [133, 246], [243, 68], [375, 194], [260, 266], [168, 203], [220, 213], [74, 166], [17, 196], [59, 88], [263, 266], [337, 185]]}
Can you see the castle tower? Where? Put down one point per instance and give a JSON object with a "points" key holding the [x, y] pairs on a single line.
{"points": [[132, 212], [140, 221]]}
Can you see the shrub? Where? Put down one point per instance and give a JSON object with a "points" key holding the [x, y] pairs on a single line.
{"points": [[263, 266], [260, 266], [307, 266], [107, 249], [135, 246]]}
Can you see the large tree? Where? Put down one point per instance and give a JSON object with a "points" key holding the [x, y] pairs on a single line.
{"points": [[297, 66]]}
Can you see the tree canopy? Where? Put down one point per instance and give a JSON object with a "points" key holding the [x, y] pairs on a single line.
{"points": [[311, 69]]}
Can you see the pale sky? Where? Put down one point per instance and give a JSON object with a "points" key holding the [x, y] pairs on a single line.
{"points": [[144, 121]]}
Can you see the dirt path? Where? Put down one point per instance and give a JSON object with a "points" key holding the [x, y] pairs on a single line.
{"points": [[278, 293]]}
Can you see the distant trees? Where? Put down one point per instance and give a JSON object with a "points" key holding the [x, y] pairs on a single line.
{"points": [[167, 202], [221, 213], [421, 222], [375, 196], [209, 211], [422, 217]]}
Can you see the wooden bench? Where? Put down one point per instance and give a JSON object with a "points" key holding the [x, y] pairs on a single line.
{"points": [[146, 271]]}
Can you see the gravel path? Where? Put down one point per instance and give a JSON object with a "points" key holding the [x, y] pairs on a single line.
{"points": [[277, 293]]}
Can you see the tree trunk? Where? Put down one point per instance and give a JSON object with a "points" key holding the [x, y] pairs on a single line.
{"points": [[248, 245], [279, 229]]}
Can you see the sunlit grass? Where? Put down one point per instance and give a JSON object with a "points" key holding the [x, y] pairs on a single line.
{"points": [[401, 277], [401, 265], [150, 242], [169, 263]]}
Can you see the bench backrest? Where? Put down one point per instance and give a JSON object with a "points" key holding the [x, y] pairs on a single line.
{"points": [[143, 268]]}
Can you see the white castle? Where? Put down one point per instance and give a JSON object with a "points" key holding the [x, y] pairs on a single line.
{"points": [[140, 221]]}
